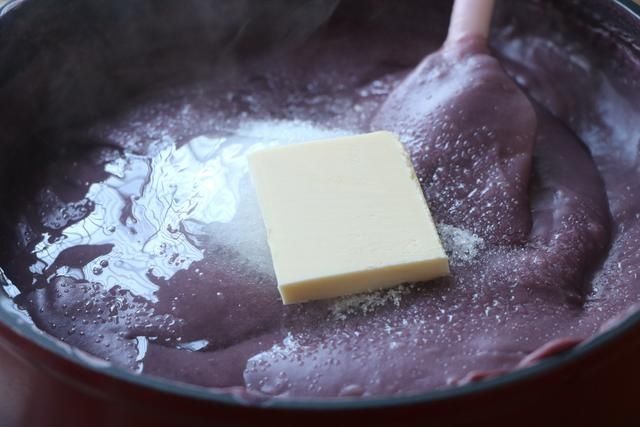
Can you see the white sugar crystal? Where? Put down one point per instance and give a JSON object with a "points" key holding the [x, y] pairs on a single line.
{"points": [[367, 302], [462, 246], [288, 346]]}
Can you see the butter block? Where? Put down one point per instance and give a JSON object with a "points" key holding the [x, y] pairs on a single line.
{"points": [[344, 216]]}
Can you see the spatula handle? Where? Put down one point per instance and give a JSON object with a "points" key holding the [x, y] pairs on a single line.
{"points": [[470, 18]]}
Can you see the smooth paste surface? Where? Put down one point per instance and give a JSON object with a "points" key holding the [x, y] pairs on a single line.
{"points": [[148, 249]]}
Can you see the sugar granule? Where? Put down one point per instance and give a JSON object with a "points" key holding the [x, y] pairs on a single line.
{"points": [[462, 246], [367, 302]]}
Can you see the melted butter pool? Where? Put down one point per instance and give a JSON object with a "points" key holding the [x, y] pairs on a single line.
{"points": [[158, 214]]}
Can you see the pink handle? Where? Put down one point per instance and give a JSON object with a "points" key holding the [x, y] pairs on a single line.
{"points": [[470, 18]]}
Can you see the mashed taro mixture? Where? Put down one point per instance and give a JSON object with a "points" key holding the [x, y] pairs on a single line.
{"points": [[148, 249]]}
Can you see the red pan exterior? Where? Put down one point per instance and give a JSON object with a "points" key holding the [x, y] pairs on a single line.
{"points": [[40, 388]]}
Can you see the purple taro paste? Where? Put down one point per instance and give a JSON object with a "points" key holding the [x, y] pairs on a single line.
{"points": [[152, 254]]}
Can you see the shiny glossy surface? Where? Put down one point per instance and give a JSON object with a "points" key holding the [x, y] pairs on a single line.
{"points": [[92, 271]]}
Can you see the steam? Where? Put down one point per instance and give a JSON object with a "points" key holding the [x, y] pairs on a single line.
{"points": [[81, 58], [68, 63]]}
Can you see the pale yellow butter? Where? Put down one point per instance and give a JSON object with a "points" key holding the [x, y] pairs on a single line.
{"points": [[344, 216]]}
